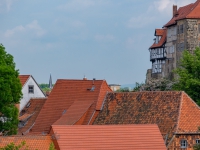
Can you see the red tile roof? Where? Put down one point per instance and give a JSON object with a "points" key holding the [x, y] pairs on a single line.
{"points": [[159, 32], [189, 116], [32, 111], [190, 11], [74, 113], [33, 142], [173, 112], [23, 78], [109, 137], [163, 33], [65, 96]]}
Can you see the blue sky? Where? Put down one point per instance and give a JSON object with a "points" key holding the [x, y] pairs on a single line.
{"points": [[102, 39]]}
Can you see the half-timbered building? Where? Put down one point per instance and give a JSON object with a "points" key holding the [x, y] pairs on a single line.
{"points": [[158, 53]]}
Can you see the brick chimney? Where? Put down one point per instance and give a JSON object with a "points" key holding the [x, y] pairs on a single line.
{"points": [[174, 10]]}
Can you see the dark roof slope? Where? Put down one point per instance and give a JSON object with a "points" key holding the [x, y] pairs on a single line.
{"points": [[65, 101], [173, 112], [160, 108], [109, 137]]}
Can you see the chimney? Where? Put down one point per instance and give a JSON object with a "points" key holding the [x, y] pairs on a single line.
{"points": [[174, 10]]}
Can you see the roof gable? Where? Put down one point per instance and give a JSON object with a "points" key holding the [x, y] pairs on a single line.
{"points": [[63, 96], [110, 137], [189, 116]]}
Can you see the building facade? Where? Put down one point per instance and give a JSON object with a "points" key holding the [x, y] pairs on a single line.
{"points": [[182, 33]]}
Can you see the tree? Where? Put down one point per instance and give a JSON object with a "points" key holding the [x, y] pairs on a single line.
{"points": [[125, 89], [155, 85], [10, 93], [12, 146], [188, 74]]}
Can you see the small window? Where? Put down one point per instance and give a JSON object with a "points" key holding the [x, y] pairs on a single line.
{"points": [[197, 141], [30, 89], [181, 29], [183, 144]]}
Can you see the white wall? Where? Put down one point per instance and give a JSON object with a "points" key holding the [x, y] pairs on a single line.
{"points": [[26, 95]]}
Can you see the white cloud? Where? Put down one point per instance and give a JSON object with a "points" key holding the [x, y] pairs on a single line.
{"points": [[104, 38], [33, 27], [139, 21]]}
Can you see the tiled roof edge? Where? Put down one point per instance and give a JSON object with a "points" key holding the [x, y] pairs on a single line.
{"points": [[179, 112], [26, 80], [191, 99]]}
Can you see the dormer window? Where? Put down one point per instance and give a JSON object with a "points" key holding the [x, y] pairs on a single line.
{"points": [[31, 89]]}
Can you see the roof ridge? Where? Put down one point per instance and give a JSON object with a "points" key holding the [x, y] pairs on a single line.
{"points": [[179, 112]]}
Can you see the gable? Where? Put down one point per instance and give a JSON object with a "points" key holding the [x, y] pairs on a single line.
{"points": [[189, 116]]}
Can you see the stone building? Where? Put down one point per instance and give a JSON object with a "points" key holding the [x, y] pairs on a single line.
{"points": [[182, 32]]}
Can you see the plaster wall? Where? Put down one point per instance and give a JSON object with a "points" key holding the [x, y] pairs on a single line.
{"points": [[26, 95]]}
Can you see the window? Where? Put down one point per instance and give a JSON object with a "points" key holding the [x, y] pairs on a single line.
{"points": [[197, 141], [30, 89], [180, 29], [183, 144]]}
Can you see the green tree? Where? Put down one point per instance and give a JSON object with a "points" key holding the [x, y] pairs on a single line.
{"points": [[125, 89], [188, 74], [10, 93], [196, 147], [52, 147], [12, 146]]}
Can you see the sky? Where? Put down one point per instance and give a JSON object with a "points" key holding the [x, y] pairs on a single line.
{"points": [[102, 39]]}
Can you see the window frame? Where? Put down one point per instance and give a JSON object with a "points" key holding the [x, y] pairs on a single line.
{"points": [[198, 141], [31, 91], [183, 143]]}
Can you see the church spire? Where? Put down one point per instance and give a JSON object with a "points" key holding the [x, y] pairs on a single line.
{"points": [[50, 82]]}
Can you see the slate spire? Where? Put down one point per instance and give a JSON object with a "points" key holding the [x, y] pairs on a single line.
{"points": [[50, 82]]}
